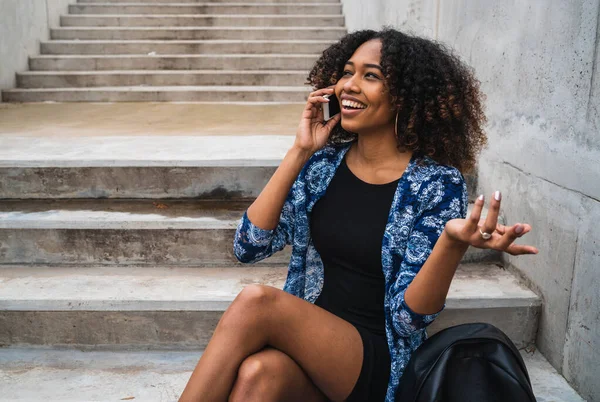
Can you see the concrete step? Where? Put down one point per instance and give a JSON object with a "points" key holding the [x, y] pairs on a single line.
{"points": [[29, 130], [217, 20], [121, 232], [203, 1], [41, 374], [74, 79], [152, 47], [142, 166], [206, 8], [179, 307], [175, 62], [272, 94], [129, 232], [185, 33]]}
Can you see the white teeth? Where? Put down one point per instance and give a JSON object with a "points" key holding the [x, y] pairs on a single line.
{"points": [[346, 102]]}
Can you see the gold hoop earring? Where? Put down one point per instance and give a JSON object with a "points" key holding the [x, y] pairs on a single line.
{"points": [[396, 125]]}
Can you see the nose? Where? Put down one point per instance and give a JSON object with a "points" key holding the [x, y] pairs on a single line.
{"points": [[350, 86]]}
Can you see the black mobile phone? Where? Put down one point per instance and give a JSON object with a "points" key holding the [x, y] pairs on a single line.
{"points": [[332, 107]]}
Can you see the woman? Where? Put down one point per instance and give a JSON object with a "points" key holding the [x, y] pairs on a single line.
{"points": [[372, 203]]}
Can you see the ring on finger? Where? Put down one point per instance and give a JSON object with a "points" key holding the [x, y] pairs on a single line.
{"points": [[485, 235]]}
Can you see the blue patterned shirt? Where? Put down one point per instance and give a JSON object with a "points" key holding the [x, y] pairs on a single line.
{"points": [[428, 195]]}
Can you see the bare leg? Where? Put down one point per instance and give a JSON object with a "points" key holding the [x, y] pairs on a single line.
{"points": [[271, 376], [326, 347]]}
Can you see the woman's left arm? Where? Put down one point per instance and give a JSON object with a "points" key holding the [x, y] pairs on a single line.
{"points": [[424, 296]]}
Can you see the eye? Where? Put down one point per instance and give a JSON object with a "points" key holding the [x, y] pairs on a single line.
{"points": [[347, 72], [373, 75]]}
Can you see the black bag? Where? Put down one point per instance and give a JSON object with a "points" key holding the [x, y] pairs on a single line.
{"points": [[466, 363]]}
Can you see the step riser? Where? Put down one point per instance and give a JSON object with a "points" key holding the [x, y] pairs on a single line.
{"points": [[205, 1], [139, 247], [205, 9], [172, 63], [153, 96], [91, 80], [201, 21], [206, 183], [162, 48], [192, 330], [243, 182], [199, 34]]}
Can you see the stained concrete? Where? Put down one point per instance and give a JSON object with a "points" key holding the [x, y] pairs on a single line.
{"points": [[128, 232], [204, 1], [238, 62], [174, 307], [538, 65], [217, 8], [74, 79], [23, 24], [66, 375], [419, 17], [54, 161], [132, 119], [122, 151], [250, 94], [186, 33], [81, 47], [219, 20]]}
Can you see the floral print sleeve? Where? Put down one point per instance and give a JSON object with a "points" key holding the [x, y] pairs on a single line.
{"points": [[252, 244], [440, 199]]}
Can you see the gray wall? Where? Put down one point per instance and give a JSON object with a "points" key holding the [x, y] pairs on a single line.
{"points": [[416, 16], [23, 24], [538, 64]]}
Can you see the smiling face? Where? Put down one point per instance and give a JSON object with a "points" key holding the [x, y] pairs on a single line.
{"points": [[364, 97]]}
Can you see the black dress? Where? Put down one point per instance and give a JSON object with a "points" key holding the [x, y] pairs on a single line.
{"points": [[347, 226]]}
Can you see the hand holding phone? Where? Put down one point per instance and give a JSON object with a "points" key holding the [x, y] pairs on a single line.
{"points": [[331, 108]]}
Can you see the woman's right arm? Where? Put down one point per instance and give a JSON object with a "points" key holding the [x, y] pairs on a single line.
{"points": [[262, 221], [266, 209]]}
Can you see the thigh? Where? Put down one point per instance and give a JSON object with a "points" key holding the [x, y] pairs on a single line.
{"points": [[275, 377], [327, 348]]}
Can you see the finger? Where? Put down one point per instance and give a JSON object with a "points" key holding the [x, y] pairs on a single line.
{"points": [[509, 237], [491, 221], [321, 92], [312, 105], [320, 114], [500, 229], [333, 121], [473, 220], [316, 101], [517, 249]]}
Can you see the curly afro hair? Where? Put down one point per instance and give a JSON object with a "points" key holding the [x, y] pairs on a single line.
{"points": [[440, 107]]}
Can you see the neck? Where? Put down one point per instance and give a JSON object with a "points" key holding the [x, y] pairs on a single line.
{"points": [[377, 150]]}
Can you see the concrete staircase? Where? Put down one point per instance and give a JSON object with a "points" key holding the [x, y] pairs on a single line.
{"points": [[115, 255], [138, 252], [181, 50]]}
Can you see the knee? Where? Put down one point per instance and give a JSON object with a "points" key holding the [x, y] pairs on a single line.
{"points": [[254, 297], [255, 381], [250, 305]]}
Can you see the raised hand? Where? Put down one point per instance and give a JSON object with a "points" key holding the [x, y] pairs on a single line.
{"points": [[488, 234], [312, 134]]}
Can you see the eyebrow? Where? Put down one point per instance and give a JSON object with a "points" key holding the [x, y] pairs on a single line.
{"points": [[377, 66]]}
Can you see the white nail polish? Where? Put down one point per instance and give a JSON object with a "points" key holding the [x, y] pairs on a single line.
{"points": [[480, 198], [497, 196]]}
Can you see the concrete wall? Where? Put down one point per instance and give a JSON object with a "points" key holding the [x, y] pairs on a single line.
{"points": [[539, 67], [416, 16], [23, 24]]}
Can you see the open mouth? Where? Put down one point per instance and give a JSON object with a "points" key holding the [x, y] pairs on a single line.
{"points": [[351, 105]]}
